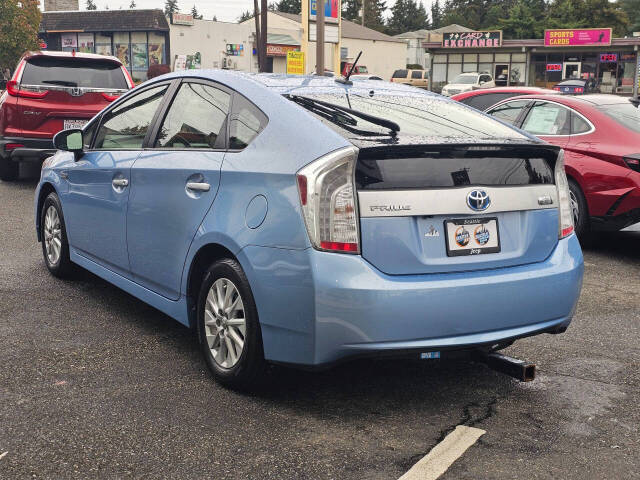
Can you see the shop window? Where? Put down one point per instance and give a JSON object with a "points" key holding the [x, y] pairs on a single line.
{"points": [[470, 58], [469, 67], [539, 57], [438, 77], [440, 58], [626, 77], [519, 57], [157, 55], [103, 44], [455, 58], [453, 70], [69, 42], [608, 79], [86, 42], [589, 71], [485, 57], [539, 74], [555, 58], [503, 57], [139, 53], [590, 57], [485, 68], [517, 74], [121, 47]]}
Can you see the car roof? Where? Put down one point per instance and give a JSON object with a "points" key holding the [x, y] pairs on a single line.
{"points": [[523, 90], [79, 55], [591, 100]]}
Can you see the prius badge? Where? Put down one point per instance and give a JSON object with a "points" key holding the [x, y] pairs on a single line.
{"points": [[478, 200]]}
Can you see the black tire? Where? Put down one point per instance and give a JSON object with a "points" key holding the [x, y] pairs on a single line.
{"points": [[9, 170], [247, 373], [62, 266], [581, 223]]}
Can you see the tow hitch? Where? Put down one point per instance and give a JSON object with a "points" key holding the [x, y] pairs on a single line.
{"points": [[518, 369]]}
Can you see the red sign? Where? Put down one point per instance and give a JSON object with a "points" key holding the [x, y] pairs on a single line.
{"points": [[608, 57], [554, 67], [280, 50], [577, 37]]}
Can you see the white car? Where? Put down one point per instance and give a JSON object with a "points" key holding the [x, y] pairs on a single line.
{"points": [[465, 82]]}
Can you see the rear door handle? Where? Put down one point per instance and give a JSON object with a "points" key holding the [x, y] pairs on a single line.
{"points": [[198, 186], [120, 182]]}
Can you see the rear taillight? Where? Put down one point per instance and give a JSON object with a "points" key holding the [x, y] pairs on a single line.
{"points": [[12, 146], [13, 89], [578, 90], [557, 89], [328, 200], [109, 98], [633, 161], [565, 215]]}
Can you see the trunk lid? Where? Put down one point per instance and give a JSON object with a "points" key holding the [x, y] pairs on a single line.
{"points": [[416, 202]]}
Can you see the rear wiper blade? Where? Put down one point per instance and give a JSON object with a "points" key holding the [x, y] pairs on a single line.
{"points": [[393, 126], [64, 83]]}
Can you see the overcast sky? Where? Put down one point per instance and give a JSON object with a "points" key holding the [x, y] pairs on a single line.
{"points": [[224, 10]]}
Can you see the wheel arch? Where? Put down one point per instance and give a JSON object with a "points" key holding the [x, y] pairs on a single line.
{"points": [[45, 189]]}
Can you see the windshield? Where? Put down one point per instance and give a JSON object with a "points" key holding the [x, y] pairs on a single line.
{"points": [[625, 114], [466, 79], [72, 72], [409, 115]]}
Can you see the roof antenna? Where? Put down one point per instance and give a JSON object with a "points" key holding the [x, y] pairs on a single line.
{"points": [[346, 80]]}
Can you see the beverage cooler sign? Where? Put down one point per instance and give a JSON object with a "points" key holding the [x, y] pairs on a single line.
{"points": [[554, 67], [577, 37], [608, 57]]}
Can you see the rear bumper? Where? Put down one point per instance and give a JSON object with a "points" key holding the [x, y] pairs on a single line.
{"points": [[329, 307], [34, 150]]}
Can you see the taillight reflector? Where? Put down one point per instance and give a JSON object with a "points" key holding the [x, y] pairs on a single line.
{"points": [[339, 247], [302, 187], [12, 146], [567, 231], [579, 90]]}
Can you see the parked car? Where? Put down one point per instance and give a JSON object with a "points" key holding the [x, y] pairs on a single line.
{"points": [[346, 67], [286, 219], [415, 78], [465, 82], [575, 86], [484, 98], [601, 138], [49, 92]]}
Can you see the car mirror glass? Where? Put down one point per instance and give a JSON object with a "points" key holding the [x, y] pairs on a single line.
{"points": [[69, 140]]}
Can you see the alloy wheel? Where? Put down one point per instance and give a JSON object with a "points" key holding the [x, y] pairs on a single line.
{"points": [[52, 235], [575, 207], [224, 322]]}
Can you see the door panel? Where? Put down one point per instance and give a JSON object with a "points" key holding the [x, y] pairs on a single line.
{"points": [[164, 214], [95, 208]]}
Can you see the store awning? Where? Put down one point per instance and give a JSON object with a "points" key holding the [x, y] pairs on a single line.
{"points": [[281, 39]]}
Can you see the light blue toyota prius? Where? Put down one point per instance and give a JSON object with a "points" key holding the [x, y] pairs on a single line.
{"points": [[308, 220]]}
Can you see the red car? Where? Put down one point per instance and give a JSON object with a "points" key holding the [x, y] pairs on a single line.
{"points": [[483, 98], [601, 138], [49, 92]]}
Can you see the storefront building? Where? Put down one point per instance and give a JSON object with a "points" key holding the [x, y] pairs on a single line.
{"points": [[139, 38], [610, 64]]}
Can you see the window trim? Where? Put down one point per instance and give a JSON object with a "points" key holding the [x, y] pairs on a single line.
{"points": [[571, 110], [134, 92], [231, 117], [149, 144], [521, 116]]}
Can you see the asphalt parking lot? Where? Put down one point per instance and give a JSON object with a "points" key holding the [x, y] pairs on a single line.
{"points": [[94, 383]]}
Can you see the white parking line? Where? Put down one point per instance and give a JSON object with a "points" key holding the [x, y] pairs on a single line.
{"points": [[436, 462]]}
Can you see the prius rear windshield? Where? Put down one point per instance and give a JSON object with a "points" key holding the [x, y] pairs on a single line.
{"points": [[74, 72], [416, 115]]}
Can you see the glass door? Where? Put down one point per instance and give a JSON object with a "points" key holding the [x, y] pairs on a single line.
{"points": [[571, 70]]}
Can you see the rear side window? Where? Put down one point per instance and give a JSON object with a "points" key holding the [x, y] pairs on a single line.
{"points": [[247, 121], [125, 126], [482, 102], [74, 72], [548, 119], [400, 74], [578, 124], [416, 74], [510, 111], [625, 114], [196, 118]]}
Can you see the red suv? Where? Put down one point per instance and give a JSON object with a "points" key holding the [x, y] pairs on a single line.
{"points": [[49, 92]]}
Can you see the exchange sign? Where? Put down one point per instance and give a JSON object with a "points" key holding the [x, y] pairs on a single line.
{"points": [[472, 39]]}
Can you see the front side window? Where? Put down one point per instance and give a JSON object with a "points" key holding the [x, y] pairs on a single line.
{"points": [[125, 126], [510, 111], [548, 119], [416, 75], [196, 118], [400, 74], [246, 123]]}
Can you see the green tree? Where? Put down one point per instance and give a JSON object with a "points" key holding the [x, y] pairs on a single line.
{"points": [[91, 5], [133, 4], [195, 14], [436, 15], [171, 6], [373, 12], [19, 25], [632, 9], [351, 10], [407, 16], [520, 23], [245, 16]]}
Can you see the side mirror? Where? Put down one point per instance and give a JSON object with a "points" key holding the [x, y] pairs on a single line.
{"points": [[69, 140]]}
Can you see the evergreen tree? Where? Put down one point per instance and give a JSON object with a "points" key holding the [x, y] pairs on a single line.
{"points": [[195, 14], [215, 19], [373, 12], [351, 10], [288, 6], [632, 9], [245, 16], [132, 4], [91, 5], [407, 16], [171, 6], [436, 15]]}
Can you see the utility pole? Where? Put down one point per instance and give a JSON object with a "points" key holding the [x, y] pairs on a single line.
{"points": [[263, 34], [363, 2], [258, 37], [319, 37]]}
